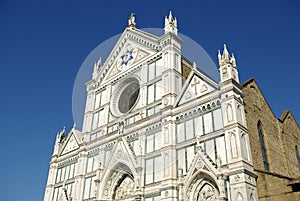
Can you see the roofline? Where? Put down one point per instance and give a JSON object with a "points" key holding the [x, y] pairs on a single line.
{"points": [[285, 113]]}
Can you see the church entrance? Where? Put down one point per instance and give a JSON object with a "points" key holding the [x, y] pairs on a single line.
{"points": [[124, 190], [202, 189]]}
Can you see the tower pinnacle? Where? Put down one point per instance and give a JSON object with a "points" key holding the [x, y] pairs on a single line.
{"points": [[227, 65], [170, 24]]}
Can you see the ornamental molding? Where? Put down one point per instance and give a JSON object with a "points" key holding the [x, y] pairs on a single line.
{"points": [[201, 109], [68, 161]]}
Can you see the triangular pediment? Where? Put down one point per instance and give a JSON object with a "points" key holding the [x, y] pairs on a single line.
{"points": [[132, 48], [122, 162], [71, 143], [196, 86], [129, 56], [121, 153], [201, 164]]}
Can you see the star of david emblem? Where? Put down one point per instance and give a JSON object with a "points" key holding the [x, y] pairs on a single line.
{"points": [[126, 57]]}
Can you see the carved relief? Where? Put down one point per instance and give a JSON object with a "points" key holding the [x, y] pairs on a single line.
{"points": [[188, 95], [195, 85], [119, 153], [202, 190], [207, 193], [199, 164], [125, 189], [204, 88]]}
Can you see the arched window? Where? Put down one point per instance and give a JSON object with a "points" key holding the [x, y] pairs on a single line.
{"points": [[297, 155], [262, 145]]}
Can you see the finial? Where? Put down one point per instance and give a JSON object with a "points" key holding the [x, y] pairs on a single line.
{"points": [[74, 126], [232, 56], [219, 57], [99, 63], [170, 16], [233, 61], [170, 24], [131, 21], [195, 65], [225, 53]]}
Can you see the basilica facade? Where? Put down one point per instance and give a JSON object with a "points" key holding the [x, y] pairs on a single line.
{"points": [[156, 127]]}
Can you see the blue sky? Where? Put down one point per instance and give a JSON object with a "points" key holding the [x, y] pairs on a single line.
{"points": [[44, 43]]}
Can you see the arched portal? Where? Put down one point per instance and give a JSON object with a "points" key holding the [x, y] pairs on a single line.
{"points": [[202, 188], [118, 184], [124, 189]]}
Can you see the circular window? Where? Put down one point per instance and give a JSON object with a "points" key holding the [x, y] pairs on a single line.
{"points": [[128, 97], [125, 96]]}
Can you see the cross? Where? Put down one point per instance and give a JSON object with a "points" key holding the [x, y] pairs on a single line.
{"points": [[195, 85]]}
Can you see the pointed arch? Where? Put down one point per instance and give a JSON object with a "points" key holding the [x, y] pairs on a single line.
{"points": [[112, 184], [297, 155], [233, 145], [262, 145], [239, 114], [252, 197], [244, 143], [229, 112], [239, 197], [201, 188], [121, 164], [207, 192], [124, 188]]}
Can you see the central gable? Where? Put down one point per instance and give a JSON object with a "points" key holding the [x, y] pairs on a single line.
{"points": [[130, 55], [133, 47]]}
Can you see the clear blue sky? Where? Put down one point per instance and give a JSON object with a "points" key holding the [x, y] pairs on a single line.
{"points": [[43, 44]]}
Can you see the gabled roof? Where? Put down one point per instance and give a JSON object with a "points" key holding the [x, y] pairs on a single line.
{"points": [[207, 85], [130, 35], [72, 142], [284, 114]]}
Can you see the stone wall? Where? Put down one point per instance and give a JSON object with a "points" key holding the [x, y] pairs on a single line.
{"points": [[281, 136], [274, 188]]}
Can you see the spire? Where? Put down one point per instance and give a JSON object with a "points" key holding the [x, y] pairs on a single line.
{"points": [[170, 24], [219, 57], [232, 60], [97, 67], [225, 53], [131, 20], [170, 16], [227, 65]]}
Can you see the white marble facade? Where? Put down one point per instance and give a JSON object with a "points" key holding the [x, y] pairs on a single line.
{"points": [[156, 128]]}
